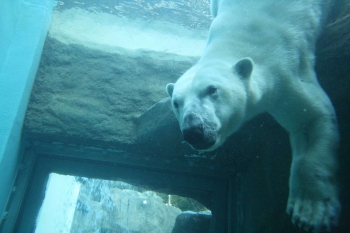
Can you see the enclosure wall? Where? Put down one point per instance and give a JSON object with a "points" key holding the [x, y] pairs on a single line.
{"points": [[23, 28]]}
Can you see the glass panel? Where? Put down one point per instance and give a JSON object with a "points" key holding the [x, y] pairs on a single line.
{"points": [[79, 204]]}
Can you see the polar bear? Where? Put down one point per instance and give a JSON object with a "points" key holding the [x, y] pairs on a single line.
{"points": [[259, 58]]}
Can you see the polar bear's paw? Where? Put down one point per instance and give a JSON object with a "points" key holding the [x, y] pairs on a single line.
{"points": [[314, 215]]}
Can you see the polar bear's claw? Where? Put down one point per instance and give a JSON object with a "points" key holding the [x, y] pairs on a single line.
{"points": [[315, 217]]}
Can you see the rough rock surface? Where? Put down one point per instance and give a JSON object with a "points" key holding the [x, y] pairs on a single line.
{"points": [[104, 206], [192, 222], [88, 94]]}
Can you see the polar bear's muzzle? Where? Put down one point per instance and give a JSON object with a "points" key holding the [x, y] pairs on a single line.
{"points": [[199, 133]]}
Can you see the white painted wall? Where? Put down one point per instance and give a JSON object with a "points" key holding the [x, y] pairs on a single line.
{"points": [[57, 211]]}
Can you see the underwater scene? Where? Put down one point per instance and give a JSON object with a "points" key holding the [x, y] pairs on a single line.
{"points": [[174, 116]]}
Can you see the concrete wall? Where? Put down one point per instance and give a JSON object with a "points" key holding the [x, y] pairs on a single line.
{"points": [[23, 28]]}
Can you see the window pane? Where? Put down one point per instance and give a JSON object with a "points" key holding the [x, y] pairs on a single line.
{"points": [[79, 204]]}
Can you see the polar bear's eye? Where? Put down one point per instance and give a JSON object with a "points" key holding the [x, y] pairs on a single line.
{"points": [[211, 90], [176, 105]]}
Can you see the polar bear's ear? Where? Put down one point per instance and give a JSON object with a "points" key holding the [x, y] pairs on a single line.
{"points": [[244, 67], [170, 88]]}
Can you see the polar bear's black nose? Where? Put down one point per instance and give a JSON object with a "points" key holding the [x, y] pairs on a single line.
{"points": [[193, 133]]}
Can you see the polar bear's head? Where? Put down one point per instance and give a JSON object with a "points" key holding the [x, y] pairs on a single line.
{"points": [[210, 100]]}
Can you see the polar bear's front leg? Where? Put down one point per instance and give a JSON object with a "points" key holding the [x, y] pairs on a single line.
{"points": [[313, 197]]}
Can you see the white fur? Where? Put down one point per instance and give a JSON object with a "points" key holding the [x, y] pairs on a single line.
{"points": [[277, 38]]}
